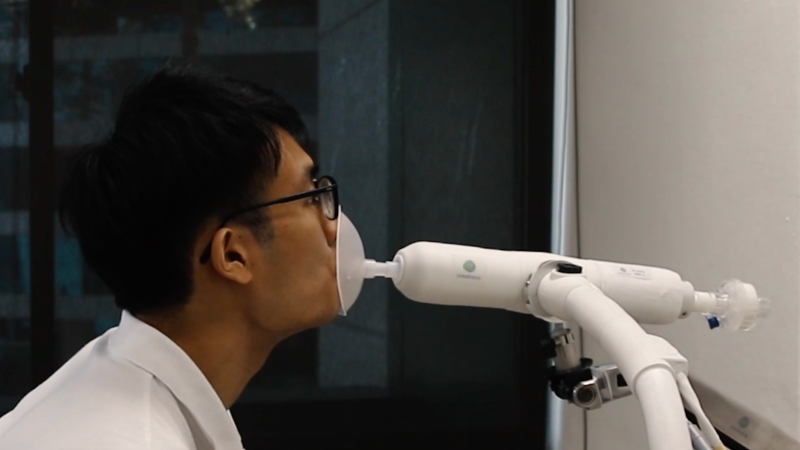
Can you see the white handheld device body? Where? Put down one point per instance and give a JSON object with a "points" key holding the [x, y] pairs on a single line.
{"points": [[448, 274]]}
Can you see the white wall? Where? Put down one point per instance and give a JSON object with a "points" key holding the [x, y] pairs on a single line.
{"points": [[688, 137]]}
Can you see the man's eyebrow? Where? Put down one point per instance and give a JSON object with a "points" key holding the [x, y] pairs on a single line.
{"points": [[308, 175], [313, 171]]}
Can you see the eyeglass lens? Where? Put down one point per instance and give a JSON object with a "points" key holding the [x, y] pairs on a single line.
{"points": [[326, 199]]}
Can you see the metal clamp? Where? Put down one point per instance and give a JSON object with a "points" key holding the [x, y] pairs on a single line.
{"points": [[606, 385], [575, 379]]}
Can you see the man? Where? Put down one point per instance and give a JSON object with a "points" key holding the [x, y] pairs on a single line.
{"points": [[202, 213]]}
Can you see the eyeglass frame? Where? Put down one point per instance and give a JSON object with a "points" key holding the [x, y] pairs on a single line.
{"points": [[333, 188]]}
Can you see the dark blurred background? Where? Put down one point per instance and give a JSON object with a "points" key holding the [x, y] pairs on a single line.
{"points": [[434, 116]]}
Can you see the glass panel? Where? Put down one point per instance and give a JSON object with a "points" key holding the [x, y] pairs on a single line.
{"points": [[411, 106], [15, 356], [417, 128]]}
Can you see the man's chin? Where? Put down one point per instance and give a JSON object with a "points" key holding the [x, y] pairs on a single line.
{"points": [[332, 312]]}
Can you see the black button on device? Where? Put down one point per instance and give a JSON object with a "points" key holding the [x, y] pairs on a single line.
{"points": [[569, 268]]}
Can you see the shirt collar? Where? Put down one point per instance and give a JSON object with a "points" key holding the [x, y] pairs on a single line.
{"points": [[154, 352]]}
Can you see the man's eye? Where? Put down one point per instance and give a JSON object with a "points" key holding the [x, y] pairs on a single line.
{"points": [[314, 199]]}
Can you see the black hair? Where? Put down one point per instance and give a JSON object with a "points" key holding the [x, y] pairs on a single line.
{"points": [[188, 147]]}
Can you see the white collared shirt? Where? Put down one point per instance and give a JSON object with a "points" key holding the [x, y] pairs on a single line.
{"points": [[131, 388]]}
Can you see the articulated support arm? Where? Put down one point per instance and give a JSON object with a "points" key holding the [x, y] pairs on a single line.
{"points": [[608, 300], [647, 366]]}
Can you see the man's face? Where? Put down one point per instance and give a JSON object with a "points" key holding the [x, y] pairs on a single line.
{"points": [[294, 274]]}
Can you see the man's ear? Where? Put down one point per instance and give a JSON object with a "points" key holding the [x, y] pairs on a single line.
{"points": [[229, 256]]}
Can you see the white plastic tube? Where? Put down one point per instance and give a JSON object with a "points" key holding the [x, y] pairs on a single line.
{"points": [[663, 410], [693, 404], [574, 298], [699, 441]]}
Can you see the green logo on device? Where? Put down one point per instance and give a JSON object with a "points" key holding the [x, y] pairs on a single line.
{"points": [[744, 422], [469, 266]]}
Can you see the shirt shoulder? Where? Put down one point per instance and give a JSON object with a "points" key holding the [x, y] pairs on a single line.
{"points": [[170, 424], [97, 402]]}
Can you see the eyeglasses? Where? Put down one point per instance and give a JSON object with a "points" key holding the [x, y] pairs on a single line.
{"points": [[326, 193]]}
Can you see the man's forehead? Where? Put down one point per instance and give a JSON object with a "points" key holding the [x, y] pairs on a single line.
{"points": [[295, 162]]}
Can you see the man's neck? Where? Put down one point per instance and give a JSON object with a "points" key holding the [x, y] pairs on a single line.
{"points": [[228, 354]]}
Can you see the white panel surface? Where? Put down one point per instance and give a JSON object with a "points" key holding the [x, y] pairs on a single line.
{"points": [[688, 137]]}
